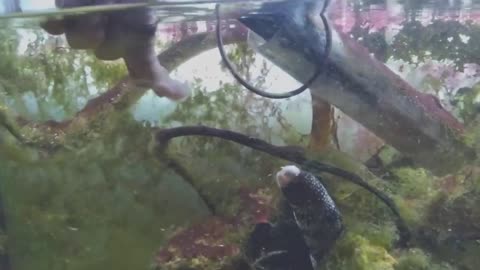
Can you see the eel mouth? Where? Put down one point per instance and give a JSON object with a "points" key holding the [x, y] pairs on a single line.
{"points": [[287, 175]]}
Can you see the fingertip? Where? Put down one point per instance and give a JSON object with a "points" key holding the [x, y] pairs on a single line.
{"points": [[173, 90]]}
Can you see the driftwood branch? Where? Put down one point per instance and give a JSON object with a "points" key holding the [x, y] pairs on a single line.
{"points": [[369, 92]]}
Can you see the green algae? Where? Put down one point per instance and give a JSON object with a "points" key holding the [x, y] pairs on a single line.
{"points": [[88, 208], [388, 155], [413, 193], [413, 183], [356, 252], [413, 260], [416, 259]]}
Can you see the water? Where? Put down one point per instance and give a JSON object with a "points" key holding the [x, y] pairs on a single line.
{"points": [[88, 181]]}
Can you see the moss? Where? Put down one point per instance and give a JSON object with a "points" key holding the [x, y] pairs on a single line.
{"points": [[357, 252], [388, 154], [413, 183], [408, 211], [414, 191], [382, 234], [416, 259]]}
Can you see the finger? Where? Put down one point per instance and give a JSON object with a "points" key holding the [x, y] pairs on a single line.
{"points": [[146, 71], [171, 89], [85, 31]]}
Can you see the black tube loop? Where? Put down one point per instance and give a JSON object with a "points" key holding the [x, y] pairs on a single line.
{"points": [[318, 69]]}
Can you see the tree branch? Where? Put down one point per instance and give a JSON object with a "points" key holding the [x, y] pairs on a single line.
{"points": [[292, 153]]}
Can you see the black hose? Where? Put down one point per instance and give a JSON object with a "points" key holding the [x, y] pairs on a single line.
{"points": [[318, 70]]}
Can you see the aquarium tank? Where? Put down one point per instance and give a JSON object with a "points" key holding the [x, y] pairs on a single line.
{"points": [[240, 135]]}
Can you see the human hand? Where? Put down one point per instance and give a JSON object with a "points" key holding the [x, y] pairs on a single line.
{"points": [[127, 34]]}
